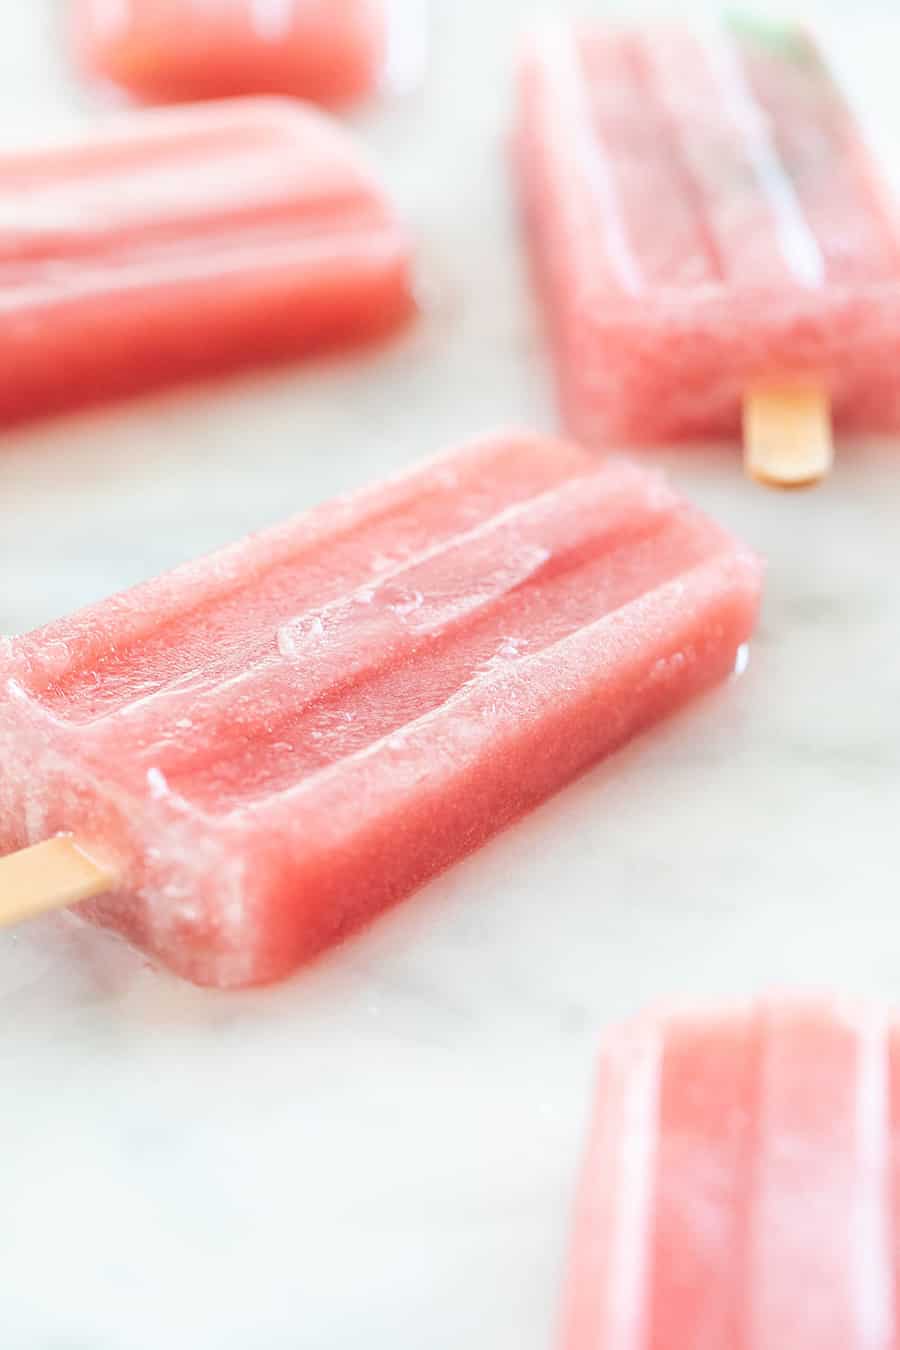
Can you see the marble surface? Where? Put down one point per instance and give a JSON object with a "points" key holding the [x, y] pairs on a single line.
{"points": [[380, 1152]]}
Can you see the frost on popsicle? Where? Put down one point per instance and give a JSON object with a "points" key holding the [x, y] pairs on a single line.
{"points": [[269, 746]]}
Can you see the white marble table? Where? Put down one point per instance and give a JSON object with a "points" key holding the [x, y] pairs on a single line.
{"points": [[378, 1155]]}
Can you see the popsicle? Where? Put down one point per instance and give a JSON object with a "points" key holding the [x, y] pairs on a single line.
{"points": [[329, 51], [741, 1184], [251, 756], [711, 239], [179, 243]]}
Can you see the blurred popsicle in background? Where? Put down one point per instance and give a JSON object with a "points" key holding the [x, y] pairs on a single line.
{"points": [[176, 243], [329, 51], [714, 247], [740, 1187]]}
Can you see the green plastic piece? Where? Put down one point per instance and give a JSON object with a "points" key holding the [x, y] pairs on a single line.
{"points": [[787, 40]]}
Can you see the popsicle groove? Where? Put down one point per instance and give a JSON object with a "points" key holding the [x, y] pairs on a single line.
{"points": [[58, 222], [29, 285]]}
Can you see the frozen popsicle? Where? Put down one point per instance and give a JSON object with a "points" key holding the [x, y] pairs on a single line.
{"points": [[741, 1184], [253, 755], [179, 243], [330, 51], [711, 240]]}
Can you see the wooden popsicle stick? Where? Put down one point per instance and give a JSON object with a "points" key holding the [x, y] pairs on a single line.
{"points": [[49, 876], [787, 434]]}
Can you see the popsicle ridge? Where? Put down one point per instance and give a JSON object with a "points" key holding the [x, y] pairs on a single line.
{"points": [[136, 210]]}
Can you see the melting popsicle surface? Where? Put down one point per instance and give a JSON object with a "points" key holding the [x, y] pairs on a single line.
{"points": [[277, 741], [703, 215], [179, 243]]}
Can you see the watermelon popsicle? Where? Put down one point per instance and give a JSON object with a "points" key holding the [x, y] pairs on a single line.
{"points": [[179, 243], [741, 1184], [711, 240], [329, 51], [265, 748]]}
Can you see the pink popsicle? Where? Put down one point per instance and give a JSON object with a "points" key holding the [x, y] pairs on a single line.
{"points": [[741, 1183], [274, 743], [182, 243], [704, 220], [329, 51]]}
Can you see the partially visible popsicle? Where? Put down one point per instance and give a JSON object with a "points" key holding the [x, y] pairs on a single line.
{"points": [[181, 243], [711, 240], [329, 51], [741, 1189], [253, 755]]}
